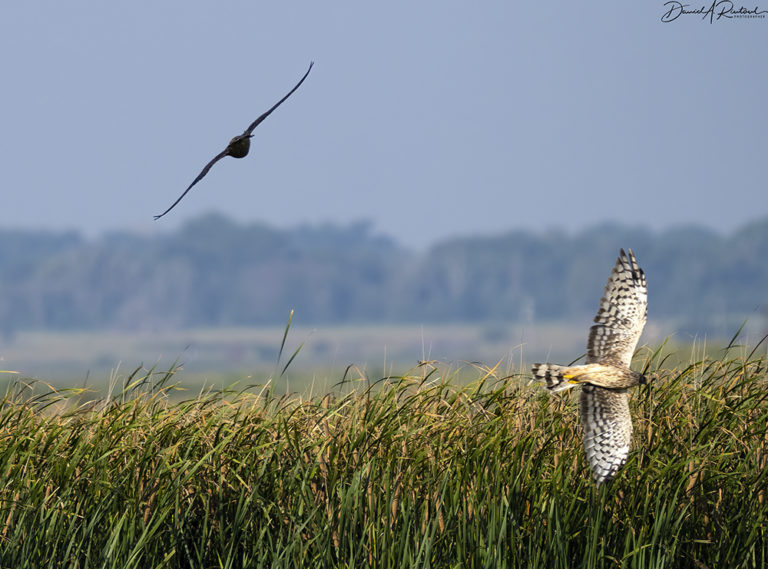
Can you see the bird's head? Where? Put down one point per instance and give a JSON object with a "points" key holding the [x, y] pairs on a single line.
{"points": [[637, 378], [239, 146], [642, 379]]}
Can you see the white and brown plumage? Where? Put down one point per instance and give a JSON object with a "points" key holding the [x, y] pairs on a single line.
{"points": [[604, 380], [239, 146]]}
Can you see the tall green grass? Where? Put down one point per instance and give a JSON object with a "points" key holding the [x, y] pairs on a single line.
{"points": [[408, 471]]}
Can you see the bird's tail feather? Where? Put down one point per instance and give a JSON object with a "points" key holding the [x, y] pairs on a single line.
{"points": [[553, 375]]}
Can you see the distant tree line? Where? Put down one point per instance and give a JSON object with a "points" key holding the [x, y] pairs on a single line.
{"points": [[215, 272]]}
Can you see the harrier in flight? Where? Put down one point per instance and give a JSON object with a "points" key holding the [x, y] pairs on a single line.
{"points": [[604, 380], [239, 146]]}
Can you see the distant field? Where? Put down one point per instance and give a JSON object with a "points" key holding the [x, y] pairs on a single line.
{"points": [[248, 355]]}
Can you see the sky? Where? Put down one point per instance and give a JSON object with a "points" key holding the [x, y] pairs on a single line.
{"points": [[430, 119]]}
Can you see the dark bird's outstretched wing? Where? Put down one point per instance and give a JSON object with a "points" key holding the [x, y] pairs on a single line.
{"points": [[234, 148], [256, 123], [200, 176]]}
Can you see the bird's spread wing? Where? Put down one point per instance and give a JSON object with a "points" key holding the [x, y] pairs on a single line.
{"points": [[256, 123], [607, 429], [200, 176], [622, 313], [226, 151]]}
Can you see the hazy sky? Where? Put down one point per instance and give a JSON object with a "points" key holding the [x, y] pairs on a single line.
{"points": [[428, 118]]}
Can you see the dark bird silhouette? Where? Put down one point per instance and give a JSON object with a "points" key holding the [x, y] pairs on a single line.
{"points": [[239, 146]]}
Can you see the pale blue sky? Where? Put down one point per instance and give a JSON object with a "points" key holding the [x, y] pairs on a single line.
{"points": [[428, 118]]}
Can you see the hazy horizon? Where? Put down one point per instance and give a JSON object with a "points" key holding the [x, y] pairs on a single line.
{"points": [[399, 240]]}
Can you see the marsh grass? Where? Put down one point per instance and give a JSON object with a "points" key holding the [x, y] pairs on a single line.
{"points": [[407, 471]]}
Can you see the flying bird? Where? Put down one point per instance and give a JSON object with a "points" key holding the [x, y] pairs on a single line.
{"points": [[604, 380], [239, 146]]}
